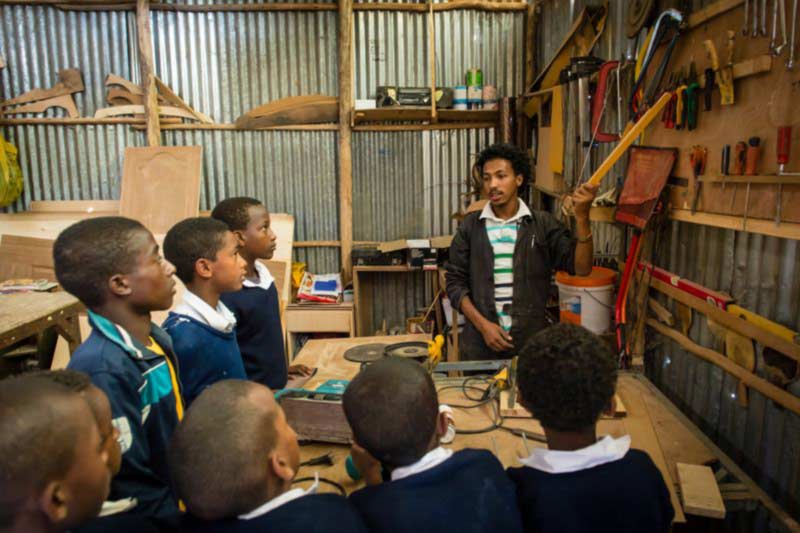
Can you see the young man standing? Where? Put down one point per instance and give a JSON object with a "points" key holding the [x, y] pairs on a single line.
{"points": [[502, 258]]}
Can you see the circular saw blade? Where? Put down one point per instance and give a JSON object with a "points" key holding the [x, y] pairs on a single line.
{"points": [[411, 350], [638, 14], [368, 353]]}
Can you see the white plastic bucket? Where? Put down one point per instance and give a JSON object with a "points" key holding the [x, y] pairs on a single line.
{"points": [[587, 301]]}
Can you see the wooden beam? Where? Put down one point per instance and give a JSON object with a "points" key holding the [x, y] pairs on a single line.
{"points": [[426, 127], [786, 230], [777, 394], [345, 133], [147, 73], [531, 20], [714, 10], [317, 244], [68, 121], [729, 320]]}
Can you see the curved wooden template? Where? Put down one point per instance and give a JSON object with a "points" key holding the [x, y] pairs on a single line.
{"points": [[120, 97], [113, 79], [309, 109], [64, 101]]}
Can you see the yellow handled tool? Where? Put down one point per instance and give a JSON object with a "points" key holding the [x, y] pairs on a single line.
{"points": [[435, 352]]}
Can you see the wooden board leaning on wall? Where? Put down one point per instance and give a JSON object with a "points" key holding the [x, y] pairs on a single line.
{"points": [[763, 103]]}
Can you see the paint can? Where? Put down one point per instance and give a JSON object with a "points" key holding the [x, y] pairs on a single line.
{"points": [[460, 97]]}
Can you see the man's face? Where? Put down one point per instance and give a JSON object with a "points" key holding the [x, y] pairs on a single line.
{"points": [[259, 241], [86, 484], [151, 283], [228, 268], [500, 182], [109, 434]]}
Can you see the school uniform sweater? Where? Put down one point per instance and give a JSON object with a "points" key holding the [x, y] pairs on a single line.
{"points": [[205, 343], [258, 329], [146, 406], [314, 513], [627, 494], [469, 492]]}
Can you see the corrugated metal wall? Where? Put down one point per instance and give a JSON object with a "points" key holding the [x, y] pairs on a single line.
{"points": [[762, 272]]}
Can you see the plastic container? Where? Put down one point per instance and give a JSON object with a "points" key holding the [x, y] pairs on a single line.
{"points": [[587, 301], [460, 97]]}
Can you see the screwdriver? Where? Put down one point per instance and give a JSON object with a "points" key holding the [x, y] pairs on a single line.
{"points": [[725, 162], [783, 145]]}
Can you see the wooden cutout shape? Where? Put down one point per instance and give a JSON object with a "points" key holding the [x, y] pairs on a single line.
{"points": [[161, 185], [166, 93], [70, 81], [113, 79], [118, 110], [310, 109], [120, 97], [65, 101]]}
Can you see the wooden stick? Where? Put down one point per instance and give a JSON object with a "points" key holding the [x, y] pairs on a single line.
{"points": [[232, 127], [426, 127], [432, 59], [762, 180], [629, 137], [714, 10], [729, 320], [165, 91], [147, 73], [345, 146], [778, 395], [87, 121]]}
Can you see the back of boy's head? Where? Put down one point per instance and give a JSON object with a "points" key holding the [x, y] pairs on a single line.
{"points": [[392, 407], [566, 377], [38, 431], [233, 211], [88, 253], [193, 239], [219, 454]]}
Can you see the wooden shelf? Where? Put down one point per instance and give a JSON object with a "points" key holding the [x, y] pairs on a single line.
{"points": [[386, 268], [784, 230], [423, 114]]}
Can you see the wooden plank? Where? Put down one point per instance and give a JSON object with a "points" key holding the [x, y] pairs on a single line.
{"points": [[66, 121], [769, 180], [784, 230], [308, 109], [70, 81], [166, 92], [20, 313], [26, 257], [65, 102], [426, 127], [643, 437], [346, 51], [699, 491], [109, 207], [388, 114], [163, 111], [147, 72], [729, 320], [167, 177], [716, 9], [777, 394]]}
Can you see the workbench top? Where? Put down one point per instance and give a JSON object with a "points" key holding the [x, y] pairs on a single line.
{"points": [[649, 420]]}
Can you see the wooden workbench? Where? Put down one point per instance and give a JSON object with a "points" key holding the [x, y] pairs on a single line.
{"points": [[23, 315], [653, 422]]}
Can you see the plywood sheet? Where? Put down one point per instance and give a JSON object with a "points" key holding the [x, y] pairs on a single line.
{"points": [[26, 257], [763, 103], [161, 185], [700, 492]]}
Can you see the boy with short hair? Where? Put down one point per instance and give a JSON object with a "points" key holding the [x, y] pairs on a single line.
{"points": [[53, 469], [112, 264], [113, 514], [233, 460], [393, 410], [257, 305], [566, 378], [206, 258]]}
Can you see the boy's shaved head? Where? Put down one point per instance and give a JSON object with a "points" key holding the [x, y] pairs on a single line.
{"points": [[88, 253], [392, 407], [234, 211], [38, 432], [219, 455]]}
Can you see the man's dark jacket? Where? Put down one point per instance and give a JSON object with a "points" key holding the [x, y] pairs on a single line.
{"points": [[543, 245]]}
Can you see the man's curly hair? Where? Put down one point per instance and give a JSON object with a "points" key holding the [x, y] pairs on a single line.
{"points": [[519, 159], [566, 377]]}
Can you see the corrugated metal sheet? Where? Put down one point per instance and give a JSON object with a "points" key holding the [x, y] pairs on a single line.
{"points": [[226, 63], [762, 272]]}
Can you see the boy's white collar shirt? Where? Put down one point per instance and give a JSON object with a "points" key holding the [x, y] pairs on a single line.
{"points": [[604, 451], [283, 499], [221, 318], [488, 213], [431, 459], [265, 279]]}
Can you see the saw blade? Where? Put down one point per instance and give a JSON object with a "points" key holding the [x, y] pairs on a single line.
{"points": [[411, 350], [368, 353]]}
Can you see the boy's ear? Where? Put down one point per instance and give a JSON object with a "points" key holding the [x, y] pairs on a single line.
{"points": [[519, 179], [118, 285], [202, 268], [441, 425], [280, 467], [611, 408], [239, 234], [52, 502]]}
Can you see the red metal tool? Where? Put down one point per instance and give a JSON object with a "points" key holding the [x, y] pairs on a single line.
{"points": [[599, 101]]}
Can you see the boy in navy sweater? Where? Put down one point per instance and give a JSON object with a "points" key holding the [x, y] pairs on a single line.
{"points": [[53, 473], [112, 264], [206, 258], [257, 306], [393, 410], [233, 460], [566, 378]]}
